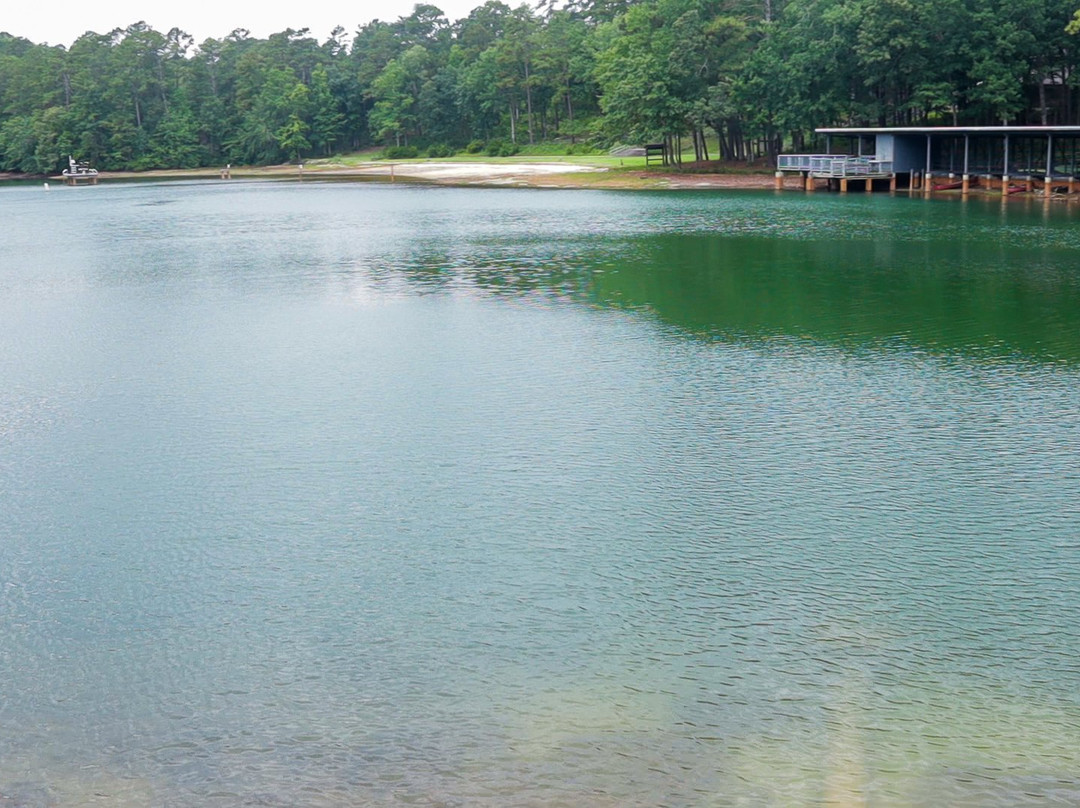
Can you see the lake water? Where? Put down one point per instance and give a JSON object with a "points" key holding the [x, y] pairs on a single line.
{"points": [[360, 495]]}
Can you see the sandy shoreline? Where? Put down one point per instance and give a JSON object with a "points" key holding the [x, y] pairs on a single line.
{"points": [[530, 174]]}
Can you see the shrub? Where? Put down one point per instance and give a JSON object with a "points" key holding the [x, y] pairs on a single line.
{"points": [[475, 147], [400, 152], [440, 150], [501, 148]]}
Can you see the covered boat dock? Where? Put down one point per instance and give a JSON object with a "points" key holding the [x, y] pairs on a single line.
{"points": [[1005, 158]]}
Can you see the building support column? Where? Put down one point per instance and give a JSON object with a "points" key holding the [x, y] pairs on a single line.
{"points": [[1048, 179]]}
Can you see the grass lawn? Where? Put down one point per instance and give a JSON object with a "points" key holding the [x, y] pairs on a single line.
{"points": [[541, 153]]}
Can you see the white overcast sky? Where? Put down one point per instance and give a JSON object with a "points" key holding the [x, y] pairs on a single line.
{"points": [[64, 22]]}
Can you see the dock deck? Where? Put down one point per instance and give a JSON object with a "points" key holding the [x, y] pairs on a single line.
{"points": [[835, 166]]}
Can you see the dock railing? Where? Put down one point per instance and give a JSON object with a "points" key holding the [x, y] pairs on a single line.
{"points": [[834, 165]]}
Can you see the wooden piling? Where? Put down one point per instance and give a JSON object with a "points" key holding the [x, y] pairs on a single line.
{"points": [[778, 180], [892, 184], [843, 185], [965, 185], [1005, 185], [869, 185], [809, 181]]}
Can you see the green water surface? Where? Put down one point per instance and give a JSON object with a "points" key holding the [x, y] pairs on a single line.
{"points": [[338, 495]]}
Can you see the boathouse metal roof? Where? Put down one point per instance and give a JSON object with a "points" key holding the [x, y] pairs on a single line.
{"points": [[949, 130]]}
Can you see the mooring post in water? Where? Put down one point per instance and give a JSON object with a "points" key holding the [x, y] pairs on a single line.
{"points": [[778, 180], [843, 185], [809, 181]]}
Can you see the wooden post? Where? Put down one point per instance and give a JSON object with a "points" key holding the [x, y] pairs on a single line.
{"points": [[892, 184], [1072, 185], [843, 185], [809, 181], [928, 183], [965, 185], [1004, 185], [778, 180], [1030, 184], [869, 185]]}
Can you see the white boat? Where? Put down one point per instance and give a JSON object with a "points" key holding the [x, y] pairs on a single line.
{"points": [[79, 172]]}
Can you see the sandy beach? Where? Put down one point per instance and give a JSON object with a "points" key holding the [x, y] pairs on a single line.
{"points": [[536, 174]]}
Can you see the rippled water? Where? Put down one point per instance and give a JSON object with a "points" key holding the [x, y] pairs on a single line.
{"points": [[337, 495]]}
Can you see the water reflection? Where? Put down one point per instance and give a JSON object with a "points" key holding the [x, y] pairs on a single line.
{"points": [[339, 495]]}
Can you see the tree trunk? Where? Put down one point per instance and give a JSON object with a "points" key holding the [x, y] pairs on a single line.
{"points": [[528, 102], [1042, 101]]}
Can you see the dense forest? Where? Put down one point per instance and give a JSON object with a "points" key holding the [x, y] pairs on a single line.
{"points": [[755, 75]]}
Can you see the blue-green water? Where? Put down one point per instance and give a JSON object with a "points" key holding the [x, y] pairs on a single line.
{"points": [[340, 495]]}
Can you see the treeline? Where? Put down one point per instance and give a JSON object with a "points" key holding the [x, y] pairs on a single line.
{"points": [[757, 74]]}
